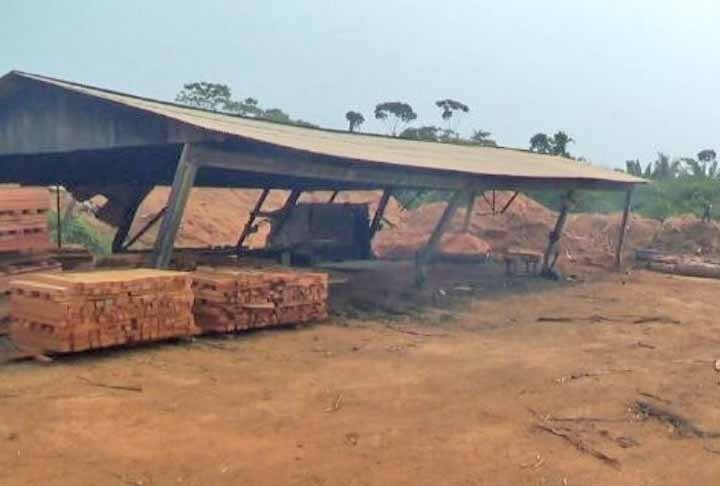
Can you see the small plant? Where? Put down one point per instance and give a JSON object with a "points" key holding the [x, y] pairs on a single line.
{"points": [[75, 230]]}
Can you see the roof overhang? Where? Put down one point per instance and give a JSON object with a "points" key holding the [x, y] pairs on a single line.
{"points": [[54, 129]]}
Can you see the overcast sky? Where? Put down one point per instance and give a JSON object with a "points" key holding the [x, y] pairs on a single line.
{"points": [[625, 78]]}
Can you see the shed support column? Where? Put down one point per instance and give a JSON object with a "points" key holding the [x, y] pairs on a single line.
{"points": [[333, 196], [551, 253], [128, 216], [623, 228], [425, 255], [379, 212], [182, 183], [284, 213], [469, 211], [248, 228]]}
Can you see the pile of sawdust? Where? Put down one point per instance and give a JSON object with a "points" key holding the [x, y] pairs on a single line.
{"points": [[688, 234], [589, 239], [215, 217]]}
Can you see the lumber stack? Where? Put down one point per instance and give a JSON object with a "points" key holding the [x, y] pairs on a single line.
{"points": [[228, 299], [69, 312], [23, 219]]}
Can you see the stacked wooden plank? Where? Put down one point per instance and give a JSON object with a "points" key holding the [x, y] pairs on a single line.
{"points": [[230, 299], [23, 219], [78, 311]]}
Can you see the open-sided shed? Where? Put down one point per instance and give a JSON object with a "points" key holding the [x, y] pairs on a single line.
{"points": [[91, 139]]}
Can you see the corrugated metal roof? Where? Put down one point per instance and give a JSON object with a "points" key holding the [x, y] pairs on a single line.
{"points": [[378, 149]]}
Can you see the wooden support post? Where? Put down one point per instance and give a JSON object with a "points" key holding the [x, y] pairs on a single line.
{"points": [[333, 196], [286, 210], [509, 203], [59, 221], [551, 253], [623, 228], [425, 255], [182, 183], [248, 228], [145, 228], [379, 212], [469, 211], [128, 216]]}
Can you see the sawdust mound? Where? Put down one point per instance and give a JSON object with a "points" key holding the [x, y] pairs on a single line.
{"points": [[215, 217], [688, 234], [589, 239]]}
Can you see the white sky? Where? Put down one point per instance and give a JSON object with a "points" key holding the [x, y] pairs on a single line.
{"points": [[625, 78]]}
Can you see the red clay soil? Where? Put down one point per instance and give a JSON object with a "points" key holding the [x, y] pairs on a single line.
{"points": [[215, 217], [589, 239]]}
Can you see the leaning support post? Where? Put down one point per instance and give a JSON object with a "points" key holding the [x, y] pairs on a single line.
{"points": [[127, 218], [333, 196], [623, 228], [379, 212], [144, 229], [551, 253], [287, 208], [509, 203], [425, 255], [469, 211], [182, 183], [248, 228]]}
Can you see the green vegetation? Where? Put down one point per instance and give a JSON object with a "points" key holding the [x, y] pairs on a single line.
{"points": [[75, 230], [218, 97]]}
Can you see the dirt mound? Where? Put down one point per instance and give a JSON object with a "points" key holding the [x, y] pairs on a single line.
{"points": [[215, 217], [589, 239], [688, 234]]}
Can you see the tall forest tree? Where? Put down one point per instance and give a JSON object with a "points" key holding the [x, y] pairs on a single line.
{"points": [[449, 108], [354, 119], [395, 114]]}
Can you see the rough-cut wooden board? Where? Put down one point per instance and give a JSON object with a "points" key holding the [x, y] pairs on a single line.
{"points": [[65, 312], [230, 299]]}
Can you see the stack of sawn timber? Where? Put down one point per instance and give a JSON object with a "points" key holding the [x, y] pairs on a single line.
{"points": [[228, 299], [23, 219], [78, 311]]}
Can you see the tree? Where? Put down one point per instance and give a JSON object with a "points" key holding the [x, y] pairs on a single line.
{"points": [[541, 144], [449, 107], [665, 168], [401, 113], [555, 145], [482, 137], [208, 96], [430, 133], [633, 167], [707, 155], [276, 115], [354, 119], [560, 141]]}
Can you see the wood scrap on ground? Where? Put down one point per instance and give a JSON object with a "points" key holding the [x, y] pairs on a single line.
{"points": [[573, 438], [132, 388], [681, 426]]}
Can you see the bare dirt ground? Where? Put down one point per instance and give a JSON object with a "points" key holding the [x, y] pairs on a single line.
{"points": [[505, 385]]}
